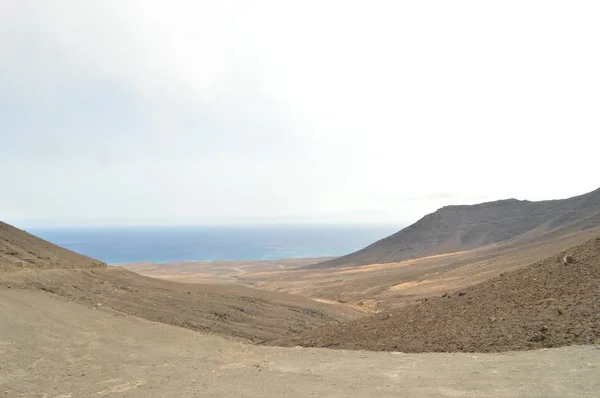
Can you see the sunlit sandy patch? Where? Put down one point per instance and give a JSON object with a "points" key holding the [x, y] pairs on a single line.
{"points": [[121, 388], [406, 285], [326, 301], [379, 267], [426, 286]]}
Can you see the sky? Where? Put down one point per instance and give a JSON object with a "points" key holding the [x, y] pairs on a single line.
{"points": [[208, 112]]}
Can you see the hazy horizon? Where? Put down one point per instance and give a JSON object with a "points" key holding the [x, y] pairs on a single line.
{"points": [[227, 112], [233, 223], [86, 225]]}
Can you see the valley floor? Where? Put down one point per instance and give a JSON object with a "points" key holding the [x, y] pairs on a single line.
{"points": [[51, 347]]}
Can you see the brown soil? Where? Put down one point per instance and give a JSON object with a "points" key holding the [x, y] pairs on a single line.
{"points": [[547, 304], [53, 348], [229, 310], [20, 250], [394, 285]]}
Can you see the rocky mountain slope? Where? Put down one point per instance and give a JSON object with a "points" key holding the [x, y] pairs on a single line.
{"points": [[458, 228], [549, 303], [20, 250]]}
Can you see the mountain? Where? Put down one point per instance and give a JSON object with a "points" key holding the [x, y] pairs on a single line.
{"points": [[458, 228], [20, 250]]}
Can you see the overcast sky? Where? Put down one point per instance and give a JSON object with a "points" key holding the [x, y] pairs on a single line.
{"points": [[198, 112]]}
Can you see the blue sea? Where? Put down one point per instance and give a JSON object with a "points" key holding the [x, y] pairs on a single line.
{"points": [[168, 244]]}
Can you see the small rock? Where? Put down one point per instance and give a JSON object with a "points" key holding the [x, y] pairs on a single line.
{"points": [[536, 338], [363, 356], [544, 329], [460, 294], [568, 259]]}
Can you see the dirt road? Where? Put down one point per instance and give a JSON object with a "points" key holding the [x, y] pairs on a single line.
{"points": [[50, 347]]}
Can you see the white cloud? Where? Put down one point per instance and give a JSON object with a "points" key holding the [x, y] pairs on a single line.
{"points": [[190, 111]]}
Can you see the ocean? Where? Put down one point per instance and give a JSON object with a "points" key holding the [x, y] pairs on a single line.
{"points": [[169, 244]]}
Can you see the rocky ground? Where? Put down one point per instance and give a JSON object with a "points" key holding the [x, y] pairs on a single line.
{"points": [[547, 304]]}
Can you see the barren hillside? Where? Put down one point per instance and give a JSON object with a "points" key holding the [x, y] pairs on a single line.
{"points": [[546, 304], [459, 228], [20, 250], [30, 263]]}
